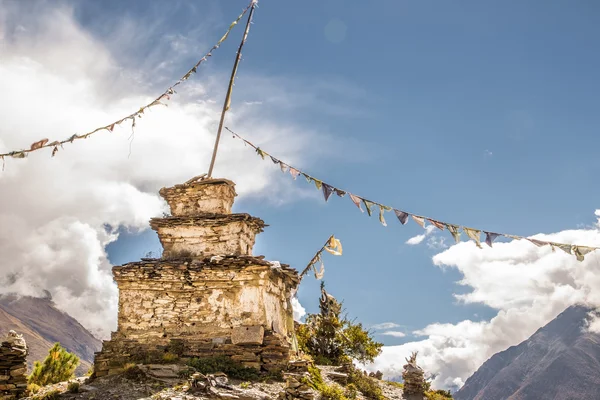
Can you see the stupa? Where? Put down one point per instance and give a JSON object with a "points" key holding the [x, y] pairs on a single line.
{"points": [[207, 295]]}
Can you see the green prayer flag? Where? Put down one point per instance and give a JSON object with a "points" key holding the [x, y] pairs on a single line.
{"points": [[318, 183], [368, 205]]}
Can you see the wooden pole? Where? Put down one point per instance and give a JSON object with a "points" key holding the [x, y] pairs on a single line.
{"points": [[227, 102]]}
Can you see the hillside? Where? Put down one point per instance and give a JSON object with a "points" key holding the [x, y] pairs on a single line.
{"points": [[42, 324], [560, 361]]}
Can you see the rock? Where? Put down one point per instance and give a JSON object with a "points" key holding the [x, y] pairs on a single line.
{"points": [[248, 335], [13, 367], [338, 377], [414, 378]]}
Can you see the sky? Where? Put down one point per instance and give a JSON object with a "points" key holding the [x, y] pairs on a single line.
{"points": [[477, 113]]}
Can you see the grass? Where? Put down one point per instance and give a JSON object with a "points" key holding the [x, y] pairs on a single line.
{"points": [[169, 357], [438, 395], [73, 387], [226, 365], [395, 384], [52, 395]]}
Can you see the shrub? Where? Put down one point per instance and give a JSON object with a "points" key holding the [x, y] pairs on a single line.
{"points": [[73, 387], [333, 340], [315, 381], [396, 384], [51, 395], [438, 395], [58, 366], [332, 392], [368, 386], [132, 372], [170, 357], [351, 391], [226, 365], [32, 388], [245, 385]]}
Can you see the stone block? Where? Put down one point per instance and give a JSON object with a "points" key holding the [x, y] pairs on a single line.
{"points": [[210, 195], [248, 335]]}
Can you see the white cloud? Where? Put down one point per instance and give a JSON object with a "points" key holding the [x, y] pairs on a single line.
{"points": [[299, 311], [397, 334], [385, 325], [437, 242], [527, 285], [594, 324], [419, 238], [58, 214]]}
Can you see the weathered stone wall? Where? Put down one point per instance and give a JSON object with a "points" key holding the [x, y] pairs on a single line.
{"points": [[207, 234], [271, 354], [207, 295], [13, 367], [200, 298], [212, 196]]}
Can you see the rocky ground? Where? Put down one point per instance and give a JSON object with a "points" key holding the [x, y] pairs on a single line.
{"points": [[158, 385]]}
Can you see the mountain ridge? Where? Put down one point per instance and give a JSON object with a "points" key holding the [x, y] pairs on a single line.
{"points": [[561, 360], [42, 324]]}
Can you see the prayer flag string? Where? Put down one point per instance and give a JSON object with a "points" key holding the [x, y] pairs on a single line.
{"points": [[403, 216], [166, 95], [333, 246]]}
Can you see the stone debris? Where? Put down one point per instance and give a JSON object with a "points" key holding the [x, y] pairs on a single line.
{"points": [[377, 375], [163, 372], [294, 389], [13, 367], [414, 378], [208, 295], [338, 377], [298, 366]]}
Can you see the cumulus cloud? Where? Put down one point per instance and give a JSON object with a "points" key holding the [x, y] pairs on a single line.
{"points": [[397, 334], [527, 285], [385, 325], [58, 214], [299, 310], [419, 238]]}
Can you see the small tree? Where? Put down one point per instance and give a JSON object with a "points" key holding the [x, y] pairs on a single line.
{"points": [[59, 366], [331, 339]]}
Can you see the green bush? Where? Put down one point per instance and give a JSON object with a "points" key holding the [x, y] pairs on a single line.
{"points": [[333, 340], [368, 386], [73, 387], [59, 366], [52, 395], [332, 392], [438, 395], [32, 388], [132, 372], [170, 357], [226, 365]]}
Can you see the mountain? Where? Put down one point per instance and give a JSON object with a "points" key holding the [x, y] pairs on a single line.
{"points": [[560, 361], [42, 324]]}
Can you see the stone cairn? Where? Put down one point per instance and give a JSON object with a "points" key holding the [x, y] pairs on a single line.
{"points": [[414, 377], [294, 389], [208, 295], [13, 367]]}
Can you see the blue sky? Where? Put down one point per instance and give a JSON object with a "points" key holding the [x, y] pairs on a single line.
{"points": [[477, 113]]}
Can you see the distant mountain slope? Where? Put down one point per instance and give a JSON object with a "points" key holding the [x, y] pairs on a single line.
{"points": [[561, 361], [42, 324]]}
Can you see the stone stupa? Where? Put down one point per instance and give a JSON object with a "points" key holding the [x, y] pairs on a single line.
{"points": [[207, 295]]}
